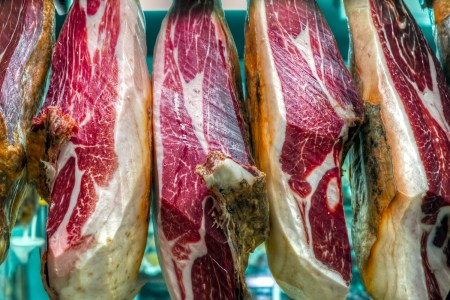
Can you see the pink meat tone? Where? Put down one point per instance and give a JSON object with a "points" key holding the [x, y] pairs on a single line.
{"points": [[303, 103], [197, 100], [409, 252], [26, 39], [97, 223]]}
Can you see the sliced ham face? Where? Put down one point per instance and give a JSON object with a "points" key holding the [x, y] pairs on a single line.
{"points": [[96, 132], [303, 103], [400, 166], [198, 109], [26, 38]]}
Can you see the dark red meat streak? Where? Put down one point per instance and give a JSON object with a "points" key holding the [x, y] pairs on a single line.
{"points": [[19, 19], [84, 86], [182, 191], [313, 128], [408, 63]]}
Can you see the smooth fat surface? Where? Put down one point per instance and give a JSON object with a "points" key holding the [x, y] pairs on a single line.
{"points": [[300, 247], [395, 180], [98, 217]]}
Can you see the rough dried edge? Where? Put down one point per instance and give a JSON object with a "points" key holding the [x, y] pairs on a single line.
{"points": [[44, 276], [13, 157], [440, 15], [242, 212], [49, 132], [372, 184]]}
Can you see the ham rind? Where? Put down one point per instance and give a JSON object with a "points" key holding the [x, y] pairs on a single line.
{"points": [[197, 109], [26, 39], [97, 110], [400, 166], [441, 18], [303, 102]]}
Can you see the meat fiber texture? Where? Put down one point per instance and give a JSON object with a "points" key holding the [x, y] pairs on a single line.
{"points": [[96, 133], [303, 102], [26, 39], [400, 164], [198, 109]]}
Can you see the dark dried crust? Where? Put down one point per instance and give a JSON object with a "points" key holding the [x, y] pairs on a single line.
{"points": [[371, 181], [37, 67], [243, 213], [45, 280], [441, 9], [12, 156], [254, 85], [443, 43]]}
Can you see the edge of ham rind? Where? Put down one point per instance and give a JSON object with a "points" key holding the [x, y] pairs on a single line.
{"points": [[292, 257], [398, 210], [104, 260], [25, 58], [240, 194]]}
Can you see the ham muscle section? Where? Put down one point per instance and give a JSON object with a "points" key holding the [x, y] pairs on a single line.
{"points": [[198, 111], [400, 165], [26, 38], [303, 102], [97, 109]]}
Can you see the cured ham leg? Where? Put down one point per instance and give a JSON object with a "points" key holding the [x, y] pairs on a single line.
{"points": [[400, 165], [94, 135], [203, 237], [26, 39], [303, 103]]}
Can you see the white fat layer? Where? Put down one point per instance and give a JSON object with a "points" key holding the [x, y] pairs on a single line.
{"points": [[118, 224], [398, 271], [196, 250], [228, 173], [436, 256], [158, 81], [333, 194], [93, 23], [291, 260], [303, 44], [193, 102]]}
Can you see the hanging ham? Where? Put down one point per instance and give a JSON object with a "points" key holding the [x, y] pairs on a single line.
{"points": [[400, 164], [204, 237], [26, 39], [93, 140], [303, 103]]}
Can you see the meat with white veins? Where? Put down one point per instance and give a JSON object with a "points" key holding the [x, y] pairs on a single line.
{"points": [[96, 137], [400, 164], [198, 109], [26, 40], [303, 103]]}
